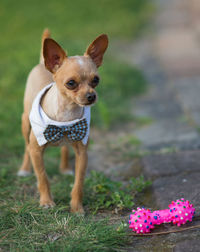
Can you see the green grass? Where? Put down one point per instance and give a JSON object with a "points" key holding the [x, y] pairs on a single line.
{"points": [[32, 229], [27, 227], [76, 19]]}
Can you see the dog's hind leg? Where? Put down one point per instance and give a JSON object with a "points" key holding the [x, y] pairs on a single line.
{"points": [[25, 168], [64, 162]]}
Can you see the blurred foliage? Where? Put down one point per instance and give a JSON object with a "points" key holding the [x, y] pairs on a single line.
{"points": [[76, 19]]}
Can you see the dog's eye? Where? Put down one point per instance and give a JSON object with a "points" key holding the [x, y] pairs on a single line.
{"points": [[71, 84], [95, 81]]}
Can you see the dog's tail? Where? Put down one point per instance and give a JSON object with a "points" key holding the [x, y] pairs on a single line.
{"points": [[46, 34]]}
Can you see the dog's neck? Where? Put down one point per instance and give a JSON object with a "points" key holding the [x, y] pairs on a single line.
{"points": [[60, 108]]}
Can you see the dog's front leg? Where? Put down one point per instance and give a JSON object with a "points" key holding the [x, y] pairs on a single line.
{"points": [[36, 154], [80, 168]]}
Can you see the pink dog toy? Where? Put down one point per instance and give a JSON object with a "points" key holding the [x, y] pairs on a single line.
{"points": [[143, 220]]}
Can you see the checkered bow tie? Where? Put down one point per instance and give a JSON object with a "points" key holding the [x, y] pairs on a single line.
{"points": [[75, 132]]}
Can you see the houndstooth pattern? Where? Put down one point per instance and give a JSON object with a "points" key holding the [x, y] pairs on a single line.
{"points": [[75, 132]]}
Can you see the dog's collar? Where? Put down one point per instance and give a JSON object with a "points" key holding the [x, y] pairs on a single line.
{"points": [[40, 121]]}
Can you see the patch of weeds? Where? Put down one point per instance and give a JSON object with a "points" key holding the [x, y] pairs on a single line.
{"points": [[132, 140], [138, 184], [105, 193]]}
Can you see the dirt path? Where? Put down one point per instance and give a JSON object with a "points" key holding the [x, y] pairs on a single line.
{"points": [[169, 55]]}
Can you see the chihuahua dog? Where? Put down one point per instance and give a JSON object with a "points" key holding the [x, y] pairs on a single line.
{"points": [[58, 95]]}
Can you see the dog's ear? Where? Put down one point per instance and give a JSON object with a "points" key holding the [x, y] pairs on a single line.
{"points": [[53, 55], [97, 49]]}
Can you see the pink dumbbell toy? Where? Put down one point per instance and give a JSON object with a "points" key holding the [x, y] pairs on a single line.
{"points": [[179, 212]]}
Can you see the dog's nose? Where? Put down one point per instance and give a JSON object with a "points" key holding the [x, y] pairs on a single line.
{"points": [[91, 97]]}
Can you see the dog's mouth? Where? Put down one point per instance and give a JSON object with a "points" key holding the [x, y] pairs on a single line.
{"points": [[86, 103]]}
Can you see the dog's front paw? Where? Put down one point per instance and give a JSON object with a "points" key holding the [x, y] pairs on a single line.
{"points": [[77, 208], [47, 203]]}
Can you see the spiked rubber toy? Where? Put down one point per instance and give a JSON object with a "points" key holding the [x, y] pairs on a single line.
{"points": [[179, 212]]}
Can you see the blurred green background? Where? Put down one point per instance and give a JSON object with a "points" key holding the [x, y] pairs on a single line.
{"points": [[74, 24]]}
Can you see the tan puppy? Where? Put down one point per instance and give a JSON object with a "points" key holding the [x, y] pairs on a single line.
{"points": [[75, 78]]}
